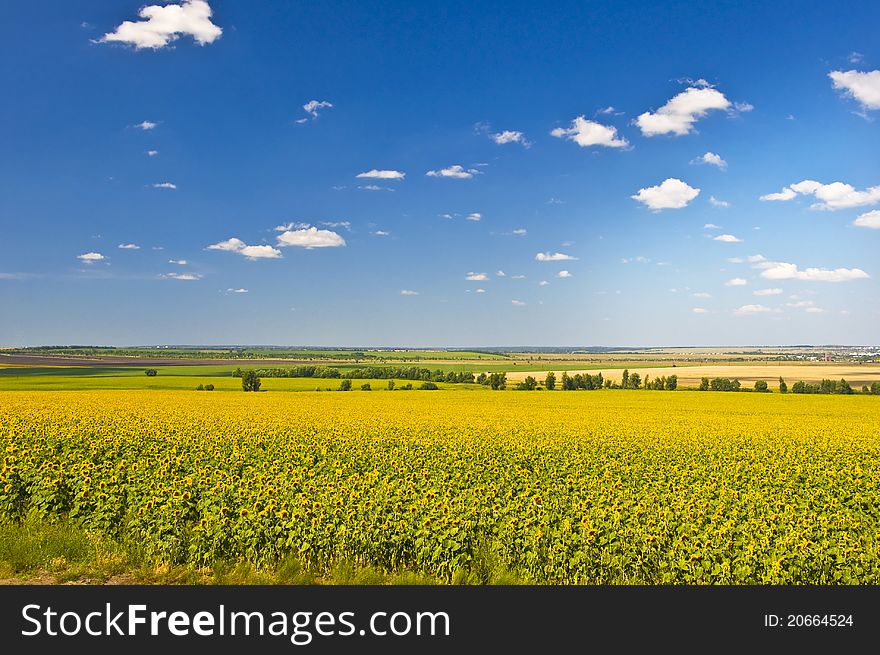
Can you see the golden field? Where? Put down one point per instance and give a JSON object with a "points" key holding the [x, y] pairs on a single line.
{"points": [[551, 487]]}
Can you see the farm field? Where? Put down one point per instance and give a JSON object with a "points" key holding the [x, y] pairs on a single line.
{"points": [[616, 487]]}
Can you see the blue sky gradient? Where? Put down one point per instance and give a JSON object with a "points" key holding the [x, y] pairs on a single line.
{"points": [[418, 87]]}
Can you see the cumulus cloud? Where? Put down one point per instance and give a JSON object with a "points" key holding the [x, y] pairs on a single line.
{"points": [[681, 112], [164, 185], [186, 277], [586, 133], [746, 310], [715, 202], [251, 252], [563, 274], [408, 292], [509, 136], [382, 174], [476, 277], [727, 238], [128, 246], [836, 195], [307, 236], [870, 220], [736, 282], [146, 125], [553, 257], [712, 159], [456, 171], [91, 257], [152, 153], [787, 271], [312, 107], [767, 292], [161, 25], [672, 193], [863, 87]]}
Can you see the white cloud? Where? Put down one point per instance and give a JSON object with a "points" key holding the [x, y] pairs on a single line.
{"points": [[517, 303], [518, 277], [186, 277], [290, 226], [712, 159], [152, 153], [727, 238], [855, 57], [455, 171], [160, 25], [861, 86], [408, 292], [91, 257], [500, 273], [251, 252], [814, 310], [234, 290], [767, 292], [787, 271], [836, 195], [543, 283], [309, 237], [146, 125], [164, 185], [374, 187], [179, 262], [711, 226], [736, 282], [638, 260], [128, 246], [715, 202], [312, 107], [479, 291], [800, 304], [586, 133], [702, 294], [672, 193], [553, 257], [381, 233], [476, 277], [743, 107], [736, 260], [746, 310], [700, 310], [475, 216], [382, 174], [870, 219], [681, 112], [509, 136], [563, 274], [755, 259]]}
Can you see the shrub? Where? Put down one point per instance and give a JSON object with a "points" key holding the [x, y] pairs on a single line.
{"points": [[428, 386], [209, 387], [345, 385], [761, 385], [200, 388], [151, 372], [366, 387], [250, 381]]}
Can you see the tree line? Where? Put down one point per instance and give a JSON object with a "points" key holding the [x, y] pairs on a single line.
{"points": [[365, 373]]}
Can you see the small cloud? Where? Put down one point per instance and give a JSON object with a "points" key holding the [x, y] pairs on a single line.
{"points": [[152, 153], [233, 290], [680, 113], [519, 232], [855, 57], [836, 195], [456, 171], [250, 252], [543, 283], [374, 187], [702, 294], [555, 201], [712, 159], [747, 310], [509, 136], [381, 233], [128, 246], [382, 174], [711, 226], [408, 292], [290, 226], [743, 107], [312, 107], [146, 125], [870, 220], [517, 303], [91, 257], [161, 25], [475, 216], [164, 185], [672, 193], [500, 273], [814, 310], [309, 237], [715, 202], [518, 277], [767, 292], [700, 310], [736, 282], [563, 274], [864, 87], [553, 257], [787, 271], [178, 262], [185, 277], [727, 238], [479, 291], [476, 277], [587, 133], [635, 260]]}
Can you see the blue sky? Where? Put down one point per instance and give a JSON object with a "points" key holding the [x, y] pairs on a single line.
{"points": [[597, 144]]}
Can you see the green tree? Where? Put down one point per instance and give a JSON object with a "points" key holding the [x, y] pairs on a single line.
{"points": [[345, 385], [550, 381], [783, 388], [672, 383], [209, 387], [843, 387], [704, 384], [151, 372], [624, 382], [250, 381], [761, 386], [529, 384], [635, 381], [428, 386], [390, 385], [366, 387]]}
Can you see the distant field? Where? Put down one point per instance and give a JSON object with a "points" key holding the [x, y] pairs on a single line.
{"points": [[689, 376]]}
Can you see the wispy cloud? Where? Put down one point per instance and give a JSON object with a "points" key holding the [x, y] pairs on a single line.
{"points": [[184, 277], [408, 292], [128, 246], [517, 303], [146, 125], [474, 216], [736, 282], [164, 185], [715, 202], [314, 107], [767, 292]]}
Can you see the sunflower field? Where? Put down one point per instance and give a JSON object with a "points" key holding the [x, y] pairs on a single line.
{"points": [[613, 487]]}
